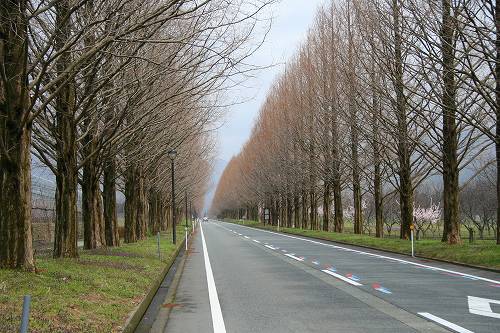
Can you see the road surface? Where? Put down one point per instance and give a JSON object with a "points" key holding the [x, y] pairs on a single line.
{"points": [[241, 279]]}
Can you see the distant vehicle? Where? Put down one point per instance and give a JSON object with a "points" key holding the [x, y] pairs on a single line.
{"points": [[205, 219]]}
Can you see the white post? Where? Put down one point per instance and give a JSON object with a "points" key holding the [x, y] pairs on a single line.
{"points": [[411, 235], [278, 225], [186, 233]]}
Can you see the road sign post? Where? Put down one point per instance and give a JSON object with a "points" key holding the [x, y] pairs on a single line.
{"points": [[411, 235], [266, 216], [158, 245]]}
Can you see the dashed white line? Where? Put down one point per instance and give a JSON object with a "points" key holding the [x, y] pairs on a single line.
{"points": [[217, 319], [445, 323], [294, 257], [270, 247], [340, 277], [256, 241], [246, 237]]}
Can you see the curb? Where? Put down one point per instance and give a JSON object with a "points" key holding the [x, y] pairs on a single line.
{"points": [[135, 318], [494, 270]]}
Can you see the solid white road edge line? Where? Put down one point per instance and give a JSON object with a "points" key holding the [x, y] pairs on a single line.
{"points": [[378, 256], [217, 319], [343, 278], [445, 323]]}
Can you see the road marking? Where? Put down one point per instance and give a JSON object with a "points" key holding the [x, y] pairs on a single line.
{"points": [[217, 319], [482, 307], [270, 247], [246, 237], [445, 323], [340, 277], [352, 277], [316, 262], [378, 287], [402, 261], [283, 251], [294, 257], [256, 241], [239, 234]]}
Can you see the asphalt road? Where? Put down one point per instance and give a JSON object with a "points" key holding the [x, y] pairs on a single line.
{"points": [[240, 279]]}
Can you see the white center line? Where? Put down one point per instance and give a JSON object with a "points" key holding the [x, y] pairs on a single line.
{"points": [[294, 257], [445, 323], [340, 277], [217, 319]]}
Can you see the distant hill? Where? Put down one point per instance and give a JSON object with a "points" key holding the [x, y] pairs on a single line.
{"points": [[219, 166]]}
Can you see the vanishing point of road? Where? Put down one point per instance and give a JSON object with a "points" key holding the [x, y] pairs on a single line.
{"points": [[241, 279]]}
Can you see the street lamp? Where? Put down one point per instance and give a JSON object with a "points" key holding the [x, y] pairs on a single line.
{"points": [[172, 153]]}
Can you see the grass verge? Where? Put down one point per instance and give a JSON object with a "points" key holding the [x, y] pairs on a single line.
{"points": [[483, 253], [95, 293]]}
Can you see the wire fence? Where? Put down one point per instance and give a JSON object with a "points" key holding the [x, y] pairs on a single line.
{"points": [[43, 212]]}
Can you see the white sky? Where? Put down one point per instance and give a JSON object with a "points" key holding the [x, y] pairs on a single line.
{"points": [[291, 20]]}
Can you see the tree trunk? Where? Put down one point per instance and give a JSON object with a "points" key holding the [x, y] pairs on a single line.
{"points": [[92, 215], [304, 210], [16, 249], [377, 160], [296, 211], [313, 213], [497, 111], [326, 207], [379, 210], [404, 172], [451, 229], [338, 225], [109, 198], [154, 225], [130, 205], [65, 238], [140, 209]]}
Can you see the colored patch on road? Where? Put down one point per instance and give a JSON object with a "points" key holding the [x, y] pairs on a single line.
{"points": [[378, 287], [353, 277]]}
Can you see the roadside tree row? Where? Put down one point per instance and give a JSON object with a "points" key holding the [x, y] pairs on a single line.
{"points": [[99, 91], [383, 99]]}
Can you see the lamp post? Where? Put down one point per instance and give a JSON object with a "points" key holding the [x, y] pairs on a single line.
{"points": [[172, 154]]}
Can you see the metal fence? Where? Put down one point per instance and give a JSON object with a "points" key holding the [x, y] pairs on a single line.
{"points": [[43, 212]]}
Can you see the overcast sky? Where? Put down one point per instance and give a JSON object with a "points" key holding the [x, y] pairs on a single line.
{"points": [[291, 20]]}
